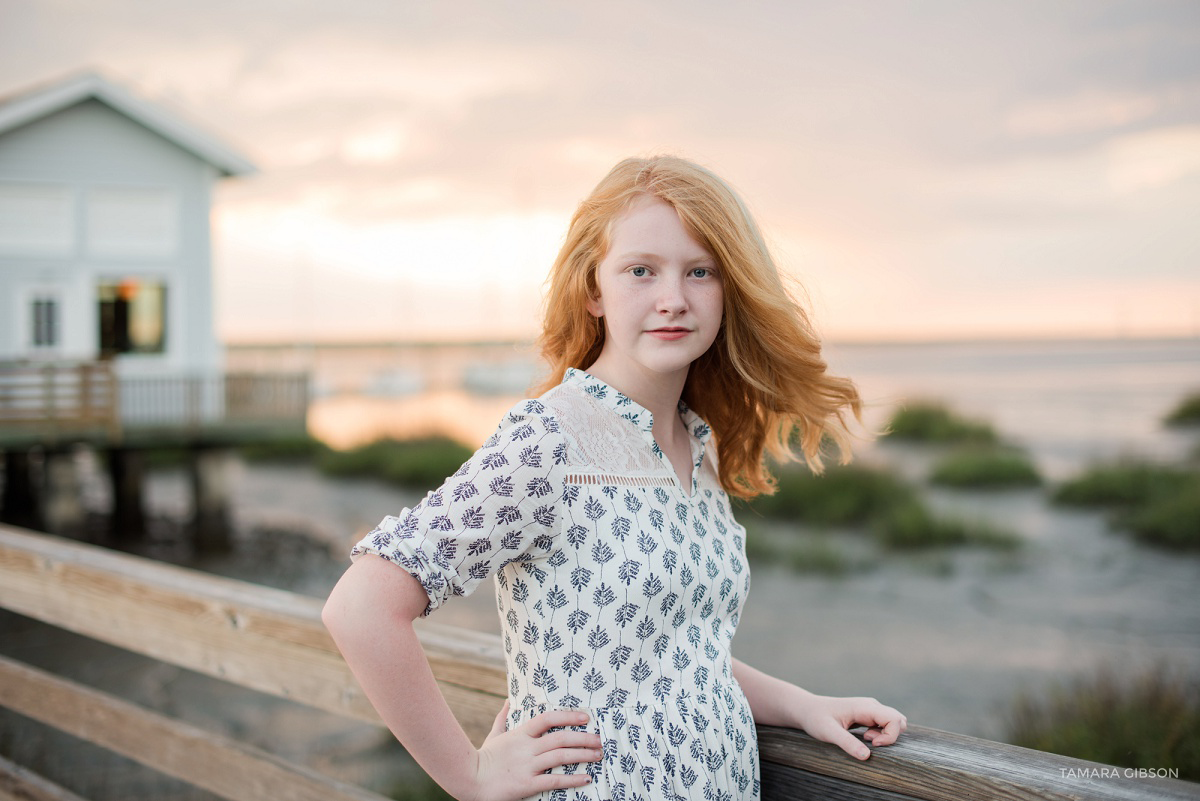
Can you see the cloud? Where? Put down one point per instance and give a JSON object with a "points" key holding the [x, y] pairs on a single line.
{"points": [[1153, 158], [934, 153]]}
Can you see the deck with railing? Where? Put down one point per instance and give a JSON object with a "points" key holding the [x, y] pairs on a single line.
{"points": [[272, 641], [46, 403]]}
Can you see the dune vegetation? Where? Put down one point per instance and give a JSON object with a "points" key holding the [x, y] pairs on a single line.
{"points": [[1186, 413], [871, 500], [932, 422], [1156, 503], [985, 467], [417, 463], [1149, 721]]}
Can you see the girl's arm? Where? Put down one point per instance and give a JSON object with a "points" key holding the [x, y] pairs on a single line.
{"points": [[775, 702], [370, 614]]}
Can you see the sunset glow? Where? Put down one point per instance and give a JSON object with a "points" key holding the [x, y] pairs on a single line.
{"points": [[930, 170]]}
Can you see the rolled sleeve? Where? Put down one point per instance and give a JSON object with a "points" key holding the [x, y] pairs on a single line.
{"points": [[501, 506]]}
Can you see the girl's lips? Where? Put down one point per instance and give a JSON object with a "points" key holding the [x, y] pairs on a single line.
{"points": [[669, 333]]}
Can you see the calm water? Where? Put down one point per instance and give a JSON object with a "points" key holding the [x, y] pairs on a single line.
{"points": [[949, 638], [1068, 402]]}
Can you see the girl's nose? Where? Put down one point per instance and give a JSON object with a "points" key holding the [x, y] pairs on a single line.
{"points": [[671, 297]]}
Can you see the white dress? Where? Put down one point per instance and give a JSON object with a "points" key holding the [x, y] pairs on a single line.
{"points": [[619, 590]]}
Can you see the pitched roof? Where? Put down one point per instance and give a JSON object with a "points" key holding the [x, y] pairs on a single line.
{"points": [[43, 101]]}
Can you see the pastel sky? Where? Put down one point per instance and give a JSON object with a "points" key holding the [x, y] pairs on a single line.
{"points": [[924, 169]]}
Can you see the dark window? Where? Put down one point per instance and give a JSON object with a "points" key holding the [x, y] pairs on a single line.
{"points": [[45, 322], [133, 317]]}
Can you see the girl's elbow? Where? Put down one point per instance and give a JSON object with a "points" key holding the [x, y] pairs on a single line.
{"points": [[348, 601], [333, 614]]}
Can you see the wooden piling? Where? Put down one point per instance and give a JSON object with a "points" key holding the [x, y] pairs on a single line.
{"points": [[126, 471], [211, 523]]}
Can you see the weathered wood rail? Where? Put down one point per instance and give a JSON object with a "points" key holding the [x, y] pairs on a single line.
{"points": [[273, 641]]}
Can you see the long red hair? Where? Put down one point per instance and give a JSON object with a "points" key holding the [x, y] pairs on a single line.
{"points": [[762, 386]]}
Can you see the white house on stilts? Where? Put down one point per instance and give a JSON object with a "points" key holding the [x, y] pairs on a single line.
{"points": [[107, 329]]}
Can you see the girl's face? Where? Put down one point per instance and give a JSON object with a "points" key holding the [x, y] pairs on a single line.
{"points": [[660, 295]]}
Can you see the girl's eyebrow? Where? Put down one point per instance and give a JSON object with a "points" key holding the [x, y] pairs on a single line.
{"points": [[639, 256]]}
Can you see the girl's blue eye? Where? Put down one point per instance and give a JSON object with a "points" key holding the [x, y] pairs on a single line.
{"points": [[639, 271], [701, 272]]}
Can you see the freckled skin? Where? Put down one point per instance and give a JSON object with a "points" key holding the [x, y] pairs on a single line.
{"points": [[661, 298]]}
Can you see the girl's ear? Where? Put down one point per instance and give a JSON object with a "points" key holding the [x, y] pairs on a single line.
{"points": [[595, 307]]}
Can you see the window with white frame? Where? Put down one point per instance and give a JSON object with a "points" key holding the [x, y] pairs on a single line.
{"points": [[45, 320]]}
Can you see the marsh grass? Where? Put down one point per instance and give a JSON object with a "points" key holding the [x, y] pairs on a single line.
{"points": [[872, 500], [1172, 521], [284, 450], [419, 463], [841, 496], [985, 467], [932, 422], [912, 525], [1186, 413], [1149, 721], [1157, 504], [802, 553], [1121, 484]]}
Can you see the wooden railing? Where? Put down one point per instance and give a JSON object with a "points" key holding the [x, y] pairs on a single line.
{"points": [[59, 399], [50, 402], [273, 641], [229, 399]]}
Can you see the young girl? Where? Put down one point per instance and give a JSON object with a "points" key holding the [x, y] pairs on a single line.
{"points": [[603, 512]]}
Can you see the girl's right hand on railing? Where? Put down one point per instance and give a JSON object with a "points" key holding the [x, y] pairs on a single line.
{"points": [[511, 764]]}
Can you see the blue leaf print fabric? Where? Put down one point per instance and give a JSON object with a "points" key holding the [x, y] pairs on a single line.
{"points": [[619, 589]]}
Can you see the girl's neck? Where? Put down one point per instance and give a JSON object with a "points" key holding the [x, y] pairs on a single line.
{"points": [[658, 393]]}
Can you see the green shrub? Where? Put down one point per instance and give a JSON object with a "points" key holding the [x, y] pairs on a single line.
{"points": [[861, 496], [1121, 484], [800, 553], [1150, 721], [300, 448], [422, 463], [1158, 504], [1171, 520], [987, 468], [841, 496], [1187, 413], [932, 422], [913, 525]]}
